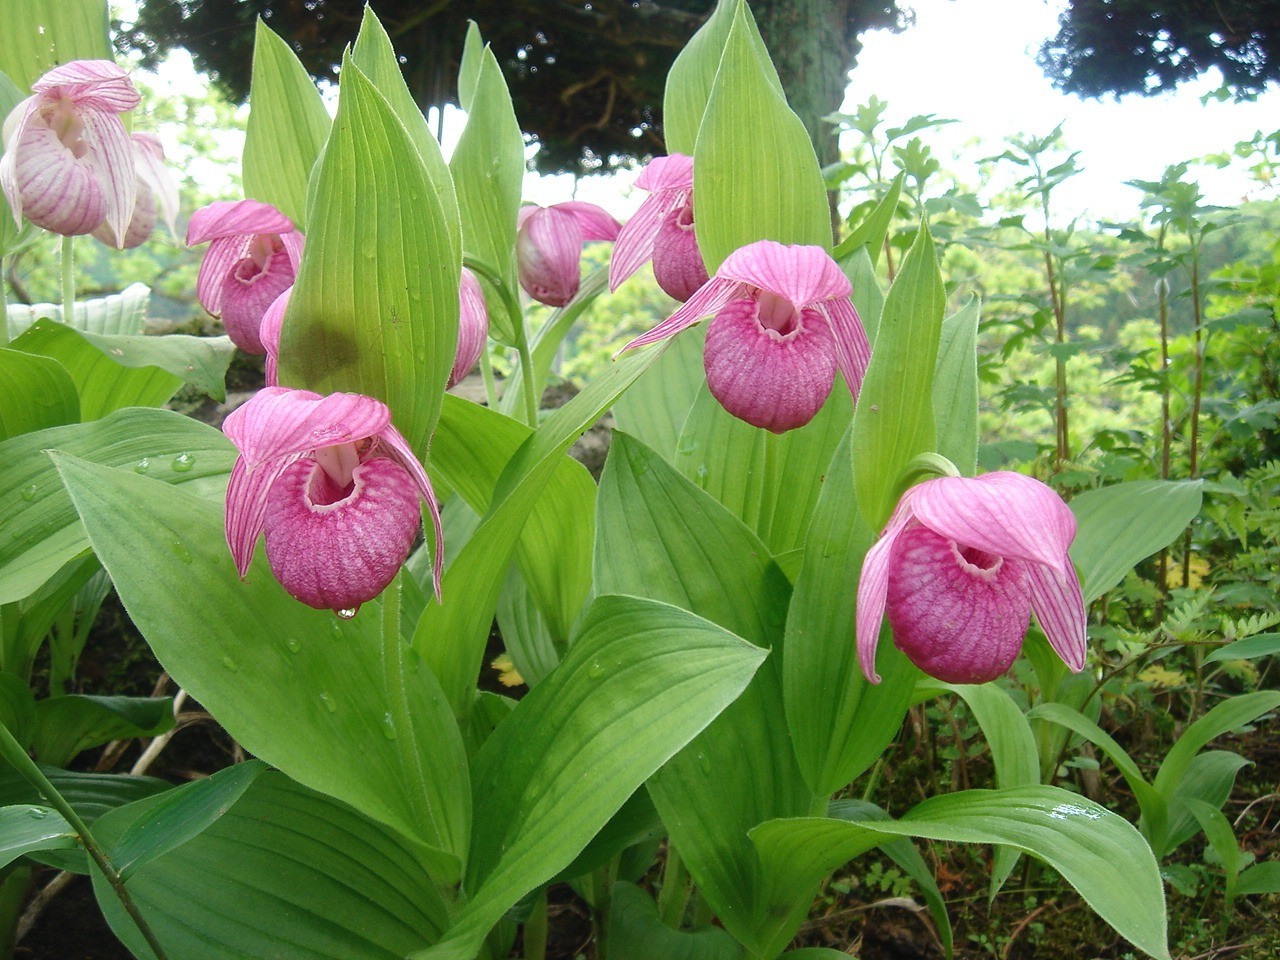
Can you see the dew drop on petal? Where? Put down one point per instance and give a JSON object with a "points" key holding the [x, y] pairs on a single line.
{"points": [[183, 463], [329, 703]]}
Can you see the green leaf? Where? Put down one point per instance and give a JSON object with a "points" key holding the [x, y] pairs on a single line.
{"points": [[181, 815], [868, 298], [112, 372], [894, 418], [1260, 878], [122, 313], [377, 60], [17, 707], [655, 408], [955, 389], [659, 535], [693, 74], [636, 933], [66, 726], [10, 97], [488, 170], [640, 681], [839, 722], [1217, 828], [1103, 857], [287, 128], [755, 173], [1209, 779], [286, 872], [1250, 648], [35, 392], [1226, 716], [1125, 523], [375, 306], [167, 556], [40, 35], [26, 829], [44, 531], [872, 231]]}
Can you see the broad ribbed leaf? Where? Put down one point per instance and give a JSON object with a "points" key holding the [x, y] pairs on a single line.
{"points": [[298, 687], [26, 829], [1103, 857], [90, 794], [1122, 524], [871, 232], [839, 722], [488, 171], [375, 306], [656, 407], [123, 313], [693, 74], [35, 392], [638, 683], [42, 529], [377, 59], [1250, 648], [756, 176], [1229, 715], [66, 726], [286, 872], [955, 389], [636, 933], [10, 97], [894, 419], [657, 534], [287, 128], [40, 34]]}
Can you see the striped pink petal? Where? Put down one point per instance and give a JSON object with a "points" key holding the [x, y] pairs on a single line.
{"points": [[548, 249], [677, 260], [473, 326], [853, 350], [247, 506], [112, 152], [1003, 513], [15, 126], [219, 260], [1058, 603], [594, 223], [674, 172], [52, 187], [269, 333], [148, 155], [873, 588], [95, 84], [399, 448], [704, 303], [635, 240], [278, 422], [230, 218], [804, 275]]}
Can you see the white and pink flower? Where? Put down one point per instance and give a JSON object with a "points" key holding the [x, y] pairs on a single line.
{"points": [[662, 231]]}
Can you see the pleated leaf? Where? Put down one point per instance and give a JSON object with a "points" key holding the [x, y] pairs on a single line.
{"points": [[298, 687], [43, 531], [27, 829], [117, 313], [955, 389], [41, 34], [375, 306], [35, 392], [287, 128]]}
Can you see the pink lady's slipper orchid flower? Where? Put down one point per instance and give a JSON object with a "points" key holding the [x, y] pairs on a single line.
{"points": [[662, 231], [68, 165], [157, 196], [473, 326], [254, 252], [334, 487], [549, 247], [269, 333], [959, 569], [783, 324]]}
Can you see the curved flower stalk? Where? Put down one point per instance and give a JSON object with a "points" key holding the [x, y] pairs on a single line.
{"points": [[662, 231], [334, 487], [473, 327], [68, 165], [253, 256], [549, 247], [959, 569], [157, 196], [783, 325]]}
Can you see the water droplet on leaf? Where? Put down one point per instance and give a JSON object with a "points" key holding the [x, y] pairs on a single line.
{"points": [[183, 463], [38, 813], [329, 703], [230, 664], [142, 466], [292, 644], [180, 551], [596, 670], [388, 727], [29, 493], [347, 613]]}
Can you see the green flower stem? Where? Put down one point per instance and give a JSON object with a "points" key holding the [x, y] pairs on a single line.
{"points": [[674, 894], [13, 752], [535, 929], [398, 702], [512, 305], [490, 387], [925, 465], [68, 282]]}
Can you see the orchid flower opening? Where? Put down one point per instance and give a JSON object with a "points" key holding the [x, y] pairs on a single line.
{"points": [[473, 326], [68, 165], [157, 196], [662, 231], [959, 569], [335, 489], [253, 256], [783, 325], [549, 247]]}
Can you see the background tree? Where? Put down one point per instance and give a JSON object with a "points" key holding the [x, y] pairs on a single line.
{"points": [[586, 77], [1150, 46]]}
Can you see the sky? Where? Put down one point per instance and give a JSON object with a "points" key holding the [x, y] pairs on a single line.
{"points": [[974, 61]]}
